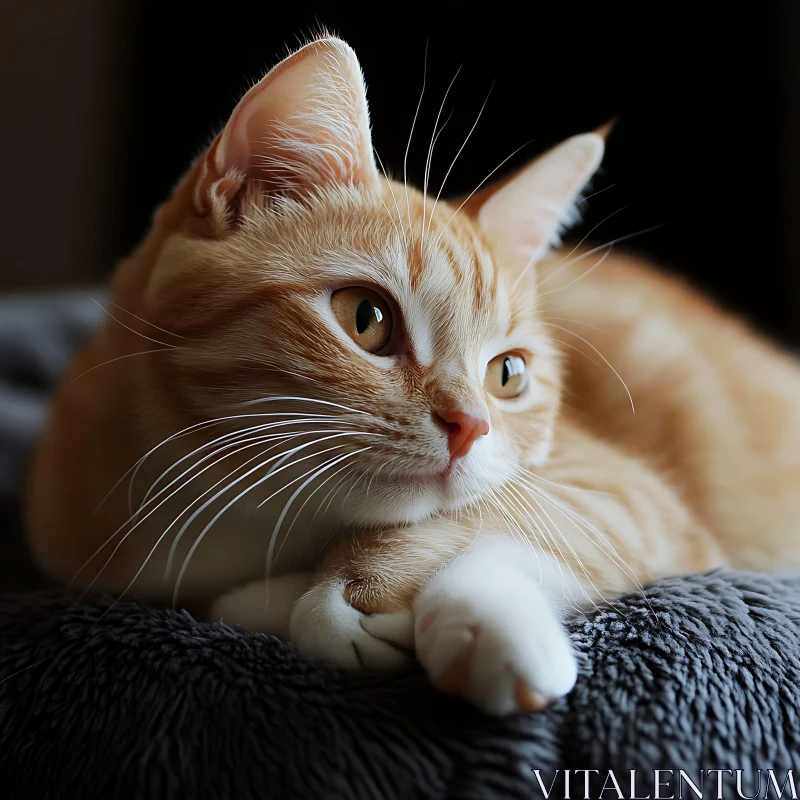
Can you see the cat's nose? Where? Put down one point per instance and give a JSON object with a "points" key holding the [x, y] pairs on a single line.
{"points": [[462, 430]]}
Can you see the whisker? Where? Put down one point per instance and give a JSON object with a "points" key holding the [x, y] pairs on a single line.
{"points": [[168, 528], [472, 193], [119, 358], [550, 537], [605, 360], [353, 486], [424, 227], [581, 323], [535, 477], [197, 499], [582, 525], [315, 473], [232, 438], [591, 269], [128, 327], [257, 483], [332, 493], [20, 671], [146, 322], [434, 137], [305, 399], [550, 540], [597, 250], [377, 472], [389, 214], [512, 526], [556, 530], [594, 194], [266, 368], [199, 426], [571, 515], [306, 501], [453, 162], [560, 266], [138, 521], [411, 134], [399, 218], [230, 503], [577, 350]]}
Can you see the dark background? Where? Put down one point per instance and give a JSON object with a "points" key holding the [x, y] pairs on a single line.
{"points": [[104, 105]]}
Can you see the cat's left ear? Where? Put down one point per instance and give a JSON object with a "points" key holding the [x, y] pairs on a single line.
{"points": [[527, 214], [304, 125]]}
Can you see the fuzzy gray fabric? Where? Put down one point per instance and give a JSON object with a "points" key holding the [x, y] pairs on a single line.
{"points": [[150, 704], [124, 701]]}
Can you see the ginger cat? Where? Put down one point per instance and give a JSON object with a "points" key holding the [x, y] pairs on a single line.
{"points": [[394, 408]]}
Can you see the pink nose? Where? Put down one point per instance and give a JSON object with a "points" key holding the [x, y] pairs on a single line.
{"points": [[462, 430]]}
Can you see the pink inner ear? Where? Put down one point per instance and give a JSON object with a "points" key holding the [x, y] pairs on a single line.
{"points": [[526, 214], [305, 124]]}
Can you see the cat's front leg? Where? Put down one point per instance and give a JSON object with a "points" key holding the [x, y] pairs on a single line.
{"points": [[488, 627], [359, 611], [484, 616], [326, 625], [263, 606]]}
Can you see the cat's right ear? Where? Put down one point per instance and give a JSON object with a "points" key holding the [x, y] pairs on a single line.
{"points": [[525, 214], [303, 126]]}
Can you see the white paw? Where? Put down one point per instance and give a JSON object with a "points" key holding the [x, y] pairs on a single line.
{"points": [[263, 606], [488, 631], [325, 627]]}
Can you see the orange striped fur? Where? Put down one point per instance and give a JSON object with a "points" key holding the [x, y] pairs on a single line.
{"points": [[231, 292]]}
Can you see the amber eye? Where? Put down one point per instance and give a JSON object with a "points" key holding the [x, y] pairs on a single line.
{"points": [[365, 317], [507, 376]]}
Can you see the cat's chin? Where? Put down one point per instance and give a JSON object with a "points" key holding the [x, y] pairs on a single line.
{"points": [[395, 504], [413, 499]]}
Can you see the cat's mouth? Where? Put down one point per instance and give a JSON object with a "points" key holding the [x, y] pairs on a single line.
{"points": [[396, 497], [419, 479], [438, 478]]}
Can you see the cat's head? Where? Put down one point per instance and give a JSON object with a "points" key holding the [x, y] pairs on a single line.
{"points": [[401, 334]]}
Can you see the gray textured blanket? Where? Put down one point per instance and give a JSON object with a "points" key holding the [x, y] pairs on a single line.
{"points": [[703, 674]]}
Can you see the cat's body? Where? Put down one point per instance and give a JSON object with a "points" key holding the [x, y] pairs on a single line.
{"points": [[417, 445], [717, 406]]}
